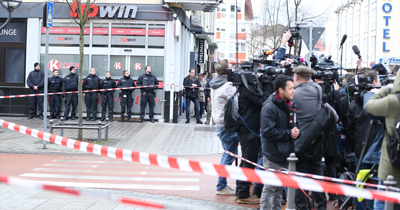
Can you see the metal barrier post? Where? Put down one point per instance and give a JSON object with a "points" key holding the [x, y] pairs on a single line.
{"points": [[390, 182], [51, 126], [99, 136], [62, 129], [107, 125], [292, 167]]}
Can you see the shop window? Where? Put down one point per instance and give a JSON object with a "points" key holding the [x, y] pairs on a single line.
{"points": [[156, 36], [118, 65], [62, 62], [128, 35], [100, 63], [14, 65], [137, 66], [65, 35], [157, 66], [100, 34]]}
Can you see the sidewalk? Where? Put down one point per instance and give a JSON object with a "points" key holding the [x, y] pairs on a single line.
{"points": [[158, 138]]}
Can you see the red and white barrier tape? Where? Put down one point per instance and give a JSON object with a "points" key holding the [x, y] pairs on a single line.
{"points": [[172, 85], [238, 173], [341, 181], [84, 91], [37, 185]]}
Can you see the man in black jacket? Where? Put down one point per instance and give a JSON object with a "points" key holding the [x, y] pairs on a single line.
{"points": [[126, 95], [250, 105], [192, 85], [91, 82], [35, 82], [107, 97], [55, 85], [277, 135], [71, 84], [148, 94]]}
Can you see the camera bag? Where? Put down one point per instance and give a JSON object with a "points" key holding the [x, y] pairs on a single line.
{"points": [[393, 146]]}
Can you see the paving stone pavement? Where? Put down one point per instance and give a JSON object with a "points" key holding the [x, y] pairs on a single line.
{"points": [[157, 138]]}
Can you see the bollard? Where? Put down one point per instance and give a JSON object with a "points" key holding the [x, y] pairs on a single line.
{"points": [[51, 126], [107, 124], [99, 136], [390, 182], [62, 129], [290, 195]]}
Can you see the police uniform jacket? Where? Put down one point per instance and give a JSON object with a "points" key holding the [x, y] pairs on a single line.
{"points": [[147, 79], [126, 82], [106, 84], [91, 82], [70, 82], [55, 84], [36, 78]]}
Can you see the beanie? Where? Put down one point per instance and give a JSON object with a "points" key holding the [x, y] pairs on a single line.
{"points": [[71, 67], [36, 64]]}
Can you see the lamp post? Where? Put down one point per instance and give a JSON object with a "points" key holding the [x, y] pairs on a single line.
{"points": [[10, 6]]}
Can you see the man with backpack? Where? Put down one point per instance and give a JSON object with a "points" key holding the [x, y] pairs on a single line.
{"points": [[221, 92]]}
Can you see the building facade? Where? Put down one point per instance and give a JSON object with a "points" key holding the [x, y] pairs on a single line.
{"points": [[372, 25], [119, 35]]}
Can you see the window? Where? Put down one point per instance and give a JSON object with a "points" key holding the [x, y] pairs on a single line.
{"points": [[222, 55], [62, 62], [233, 8], [157, 66], [132, 35], [100, 63], [239, 9], [156, 36], [100, 35], [14, 65], [223, 7], [221, 46], [218, 26], [218, 9], [231, 46], [242, 47], [117, 65], [233, 16], [137, 66], [232, 27], [65, 35], [223, 35], [223, 26], [243, 27], [231, 55], [232, 35], [223, 15]]}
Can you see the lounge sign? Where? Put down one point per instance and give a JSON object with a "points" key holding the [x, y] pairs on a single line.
{"points": [[13, 32], [106, 11]]}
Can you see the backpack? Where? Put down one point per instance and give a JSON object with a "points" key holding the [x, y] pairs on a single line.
{"points": [[393, 147], [231, 115], [341, 198]]}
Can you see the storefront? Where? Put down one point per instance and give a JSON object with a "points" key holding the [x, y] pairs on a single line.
{"points": [[117, 37]]}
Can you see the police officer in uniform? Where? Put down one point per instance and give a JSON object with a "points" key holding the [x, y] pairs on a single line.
{"points": [[91, 82], [126, 95], [35, 82], [148, 94], [55, 85], [71, 84], [107, 97]]}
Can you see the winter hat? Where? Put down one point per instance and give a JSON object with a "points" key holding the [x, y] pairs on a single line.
{"points": [[71, 67], [36, 64]]}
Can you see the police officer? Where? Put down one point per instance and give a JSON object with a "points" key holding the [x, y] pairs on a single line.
{"points": [[55, 85], [35, 82], [71, 84], [126, 95], [107, 97], [91, 82], [148, 93]]}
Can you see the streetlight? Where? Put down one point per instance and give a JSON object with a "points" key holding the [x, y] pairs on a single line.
{"points": [[10, 6]]}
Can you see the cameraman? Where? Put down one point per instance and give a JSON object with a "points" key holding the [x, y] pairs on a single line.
{"points": [[308, 98], [250, 104]]}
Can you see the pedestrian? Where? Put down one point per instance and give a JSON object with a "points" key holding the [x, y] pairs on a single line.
{"points": [[107, 97], [35, 82], [192, 84], [91, 82], [202, 95], [277, 137], [209, 104], [126, 95], [55, 85], [71, 84], [147, 93], [221, 92]]}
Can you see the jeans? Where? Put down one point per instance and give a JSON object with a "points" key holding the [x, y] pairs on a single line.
{"points": [[271, 196], [379, 205], [196, 108], [229, 143]]}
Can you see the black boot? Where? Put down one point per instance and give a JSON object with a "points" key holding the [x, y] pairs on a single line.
{"points": [[103, 118], [111, 118], [152, 120], [141, 120], [122, 119], [41, 117], [129, 118], [30, 116]]}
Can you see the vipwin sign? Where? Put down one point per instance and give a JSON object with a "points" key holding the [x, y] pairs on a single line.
{"points": [[106, 11]]}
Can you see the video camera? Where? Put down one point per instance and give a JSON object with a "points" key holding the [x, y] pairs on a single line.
{"points": [[295, 34], [362, 86]]}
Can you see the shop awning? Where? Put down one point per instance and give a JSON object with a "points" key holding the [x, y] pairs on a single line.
{"points": [[199, 5]]}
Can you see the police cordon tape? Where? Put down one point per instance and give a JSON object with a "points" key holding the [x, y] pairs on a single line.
{"points": [[211, 169], [24, 183], [84, 91], [319, 177]]}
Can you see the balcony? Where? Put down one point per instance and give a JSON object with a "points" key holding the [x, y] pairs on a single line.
{"points": [[199, 5]]}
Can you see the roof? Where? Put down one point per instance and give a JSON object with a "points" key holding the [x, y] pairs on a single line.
{"points": [[248, 9], [319, 45], [276, 30]]}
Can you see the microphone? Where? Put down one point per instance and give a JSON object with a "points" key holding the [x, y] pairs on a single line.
{"points": [[292, 118], [357, 51], [343, 40]]}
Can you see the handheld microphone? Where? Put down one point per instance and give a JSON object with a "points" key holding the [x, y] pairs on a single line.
{"points": [[357, 51], [343, 40], [292, 118]]}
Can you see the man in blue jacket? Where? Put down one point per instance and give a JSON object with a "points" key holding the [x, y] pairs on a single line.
{"points": [[35, 82], [192, 85]]}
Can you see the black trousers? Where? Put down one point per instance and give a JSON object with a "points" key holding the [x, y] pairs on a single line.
{"points": [[55, 105], [33, 100], [312, 164], [126, 103], [144, 99], [91, 104], [71, 99], [250, 145], [107, 99]]}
